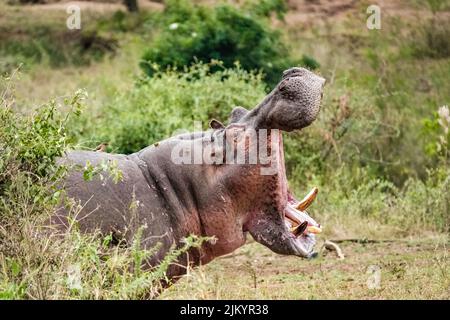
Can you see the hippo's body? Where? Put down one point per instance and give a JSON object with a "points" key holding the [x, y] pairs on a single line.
{"points": [[171, 199]]}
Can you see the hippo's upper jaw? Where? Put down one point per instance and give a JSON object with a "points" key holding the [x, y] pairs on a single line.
{"points": [[292, 105]]}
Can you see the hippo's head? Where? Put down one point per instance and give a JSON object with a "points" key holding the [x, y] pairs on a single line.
{"points": [[276, 218]]}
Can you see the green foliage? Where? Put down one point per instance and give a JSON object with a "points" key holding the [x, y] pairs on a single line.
{"points": [[437, 5], [437, 132], [29, 147], [171, 101], [355, 202], [431, 39], [33, 263], [140, 22], [198, 33], [264, 8], [309, 62], [46, 40], [109, 167]]}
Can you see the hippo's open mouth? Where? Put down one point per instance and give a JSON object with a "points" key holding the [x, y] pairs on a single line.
{"points": [[282, 224], [291, 233], [302, 227]]}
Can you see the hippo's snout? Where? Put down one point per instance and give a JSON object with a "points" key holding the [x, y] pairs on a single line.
{"points": [[295, 101]]}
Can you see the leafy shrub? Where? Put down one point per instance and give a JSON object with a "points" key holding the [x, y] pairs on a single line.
{"points": [[56, 50], [142, 22], [37, 265], [310, 62], [437, 133], [198, 33], [29, 147], [171, 101]]}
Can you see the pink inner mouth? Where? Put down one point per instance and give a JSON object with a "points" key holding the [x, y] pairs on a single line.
{"points": [[295, 215]]}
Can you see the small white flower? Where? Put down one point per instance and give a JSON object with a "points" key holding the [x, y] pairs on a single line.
{"points": [[444, 113], [173, 26]]}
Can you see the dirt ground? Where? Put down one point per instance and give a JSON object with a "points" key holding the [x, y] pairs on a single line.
{"points": [[405, 269]]}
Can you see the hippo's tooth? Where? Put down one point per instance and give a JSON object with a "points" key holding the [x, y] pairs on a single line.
{"points": [[298, 230], [290, 214], [306, 202], [314, 229], [298, 217]]}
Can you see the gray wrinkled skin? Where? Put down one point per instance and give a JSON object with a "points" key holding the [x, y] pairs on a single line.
{"points": [[173, 201]]}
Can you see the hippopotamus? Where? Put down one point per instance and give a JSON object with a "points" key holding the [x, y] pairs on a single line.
{"points": [[224, 183]]}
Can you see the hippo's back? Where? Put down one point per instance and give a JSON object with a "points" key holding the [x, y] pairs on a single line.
{"points": [[115, 207]]}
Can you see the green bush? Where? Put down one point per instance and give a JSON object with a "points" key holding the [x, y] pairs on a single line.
{"points": [[170, 101], [34, 264], [353, 203], [198, 33], [29, 147]]}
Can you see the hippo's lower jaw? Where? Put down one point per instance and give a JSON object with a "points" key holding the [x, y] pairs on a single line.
{"points": [[294, 234]]}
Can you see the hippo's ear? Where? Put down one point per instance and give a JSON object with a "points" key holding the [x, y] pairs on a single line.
{"points": [[237, 114], [216, 124]]}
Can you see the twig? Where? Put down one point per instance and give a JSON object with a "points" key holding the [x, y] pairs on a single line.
{"points": [[363, 240], [331, 246]]}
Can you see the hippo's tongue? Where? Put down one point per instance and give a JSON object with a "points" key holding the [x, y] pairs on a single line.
{"points": [[296, 217]]}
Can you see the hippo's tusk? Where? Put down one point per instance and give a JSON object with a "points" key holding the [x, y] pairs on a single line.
{"points": [[289, 213], [314, 229], [306, 202], [298, 217], [298, 230]]}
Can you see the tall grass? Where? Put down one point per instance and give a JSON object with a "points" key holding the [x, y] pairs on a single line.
{"points": [[36, 263]]}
